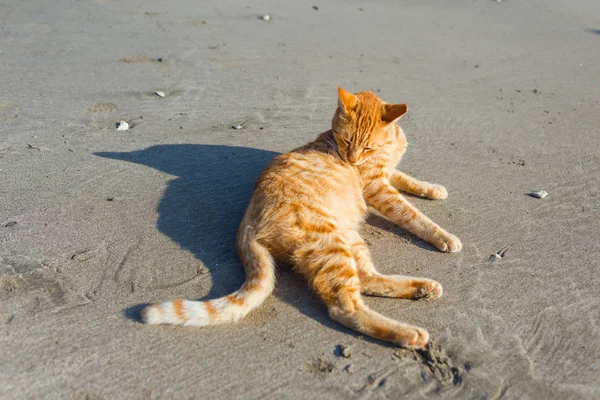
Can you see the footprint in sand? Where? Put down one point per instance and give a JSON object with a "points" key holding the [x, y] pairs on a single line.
{"points": [[437, 365], [142, 59], [102, 108], [9, 110]]}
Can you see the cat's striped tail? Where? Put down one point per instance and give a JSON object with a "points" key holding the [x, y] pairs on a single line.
{"points": [[259, 284]]}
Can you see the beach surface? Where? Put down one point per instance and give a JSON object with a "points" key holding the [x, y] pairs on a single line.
{"points": [[504, 99]]}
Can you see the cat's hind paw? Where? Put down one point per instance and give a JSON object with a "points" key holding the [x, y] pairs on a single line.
{"points": [[418, 339], [428, 290], [437, 192]]}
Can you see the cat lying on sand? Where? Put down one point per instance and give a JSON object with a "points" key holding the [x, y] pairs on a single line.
{"points": [[306, 210]]}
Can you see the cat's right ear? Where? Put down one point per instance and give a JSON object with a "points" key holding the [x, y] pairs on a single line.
{"points": [[346, 100], [392, 112]]}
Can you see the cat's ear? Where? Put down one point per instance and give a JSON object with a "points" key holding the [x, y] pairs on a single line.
{"points": [[346, 100], [392, 112]]}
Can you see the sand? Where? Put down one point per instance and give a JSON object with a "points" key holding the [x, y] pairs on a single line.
{"points": [[504, 100]]}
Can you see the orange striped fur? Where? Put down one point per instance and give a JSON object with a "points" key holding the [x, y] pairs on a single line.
{"points": [[306, 210]]}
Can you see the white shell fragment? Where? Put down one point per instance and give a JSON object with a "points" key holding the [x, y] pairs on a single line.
{"points": [[539, 194], [266, 17], [500, 254], [346, 352], [237, 127], [122, 126], [160, 93]]}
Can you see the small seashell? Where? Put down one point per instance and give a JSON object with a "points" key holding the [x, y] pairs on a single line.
{"points": [[539, 194], [237, 127], [122, 126], [160, 93], [266, 17], [346, 352]]}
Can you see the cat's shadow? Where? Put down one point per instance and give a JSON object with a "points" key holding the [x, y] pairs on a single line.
{"points": [[202, 207], [203, 204]]}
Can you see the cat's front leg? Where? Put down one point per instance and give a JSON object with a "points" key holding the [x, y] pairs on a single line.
{"points": [[380, 194], [408, 184]]}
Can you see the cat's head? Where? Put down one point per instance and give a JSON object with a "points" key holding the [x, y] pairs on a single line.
{"points": [[363, 123]]}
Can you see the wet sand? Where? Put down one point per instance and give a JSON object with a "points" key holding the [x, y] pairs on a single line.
{"points": [[503, 100]]}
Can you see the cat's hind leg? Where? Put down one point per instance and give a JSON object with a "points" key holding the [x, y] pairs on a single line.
{"points": [[375, 284], [408, 184], [330, 267]]}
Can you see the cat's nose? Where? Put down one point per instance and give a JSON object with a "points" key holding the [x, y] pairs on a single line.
{"points": [[352, 155]]}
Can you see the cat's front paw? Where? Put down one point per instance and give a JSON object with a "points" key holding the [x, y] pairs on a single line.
{"points": [[447, 242], [437, 192]]}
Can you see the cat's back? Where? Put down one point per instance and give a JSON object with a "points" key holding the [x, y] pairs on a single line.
{"points": [[313, 170], [309, 179]]}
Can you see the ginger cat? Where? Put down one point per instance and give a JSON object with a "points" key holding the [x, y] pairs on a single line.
{"points": [[306, 210]]}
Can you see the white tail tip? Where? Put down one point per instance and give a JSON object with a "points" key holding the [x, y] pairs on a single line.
{"points": [[151, 315]]}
